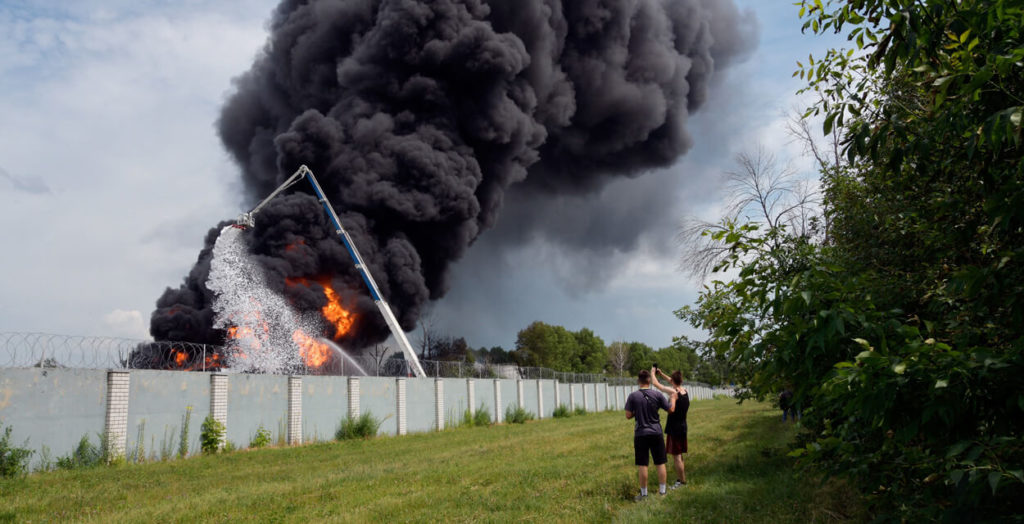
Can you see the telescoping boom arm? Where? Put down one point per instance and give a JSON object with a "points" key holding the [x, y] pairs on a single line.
{"points": [[246, 219]]}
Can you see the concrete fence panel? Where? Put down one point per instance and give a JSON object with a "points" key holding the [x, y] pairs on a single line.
{"points": [[53, 407], [377, 397], [158, 403], [324, 404], [420, 404], [254, 401]]}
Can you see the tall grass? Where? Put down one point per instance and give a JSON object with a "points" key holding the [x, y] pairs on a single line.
{"points": [[364, 426]]}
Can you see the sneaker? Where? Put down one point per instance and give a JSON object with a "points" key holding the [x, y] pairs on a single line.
{"points": [[678, 483], [639, 498]]}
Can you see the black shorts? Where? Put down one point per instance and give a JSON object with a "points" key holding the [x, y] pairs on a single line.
{"points": [[649, 444]]}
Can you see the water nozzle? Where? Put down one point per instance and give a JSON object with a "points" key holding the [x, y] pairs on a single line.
{"points": [[244, 221]]}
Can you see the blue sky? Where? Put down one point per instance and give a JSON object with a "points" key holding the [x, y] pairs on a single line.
{"points": [[108, 112]]}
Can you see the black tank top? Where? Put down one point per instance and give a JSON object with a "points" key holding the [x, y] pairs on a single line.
{"points": [[675, 424]]}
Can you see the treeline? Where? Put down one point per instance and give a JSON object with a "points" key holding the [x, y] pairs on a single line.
{"points": [[555, 347], [896, 312]]}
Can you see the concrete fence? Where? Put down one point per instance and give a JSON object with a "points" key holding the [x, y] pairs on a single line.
{"points": [[143, 412]]}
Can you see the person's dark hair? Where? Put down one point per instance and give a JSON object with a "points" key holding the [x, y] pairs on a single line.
{"points": [[677, 378], [644, 376]]}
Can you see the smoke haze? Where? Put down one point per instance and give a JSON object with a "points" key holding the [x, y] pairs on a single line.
{"points": [[427, 120]]}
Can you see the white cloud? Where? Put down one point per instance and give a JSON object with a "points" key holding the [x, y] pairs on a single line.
{"points": [[126, 323]]}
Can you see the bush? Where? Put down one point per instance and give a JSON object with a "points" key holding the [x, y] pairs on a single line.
{"points": [[482, 417], [85, 455], [13, 461], [562, 411], [261, 439], [211, 435], [517, 415], [364, 426], [580, 410]]}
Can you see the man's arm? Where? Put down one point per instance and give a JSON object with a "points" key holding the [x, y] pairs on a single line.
{"points": [[629, 414]]}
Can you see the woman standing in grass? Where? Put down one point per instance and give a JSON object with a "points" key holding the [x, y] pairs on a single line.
{"points": [[675, 426]]}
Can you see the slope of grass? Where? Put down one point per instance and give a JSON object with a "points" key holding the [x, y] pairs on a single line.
{"points": [[575, 469]]}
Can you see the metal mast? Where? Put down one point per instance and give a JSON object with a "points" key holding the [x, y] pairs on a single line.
{"points": [[246, 219]]}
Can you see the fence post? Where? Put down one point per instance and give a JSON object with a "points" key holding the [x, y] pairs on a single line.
{"points": [[471, 395], [439, 403], [540, 398], [400, 407], [353, 397], [572, 397], [219, 401], [607, 397], [558, 395], [497, 401], [519, 393], [586, 405], [294, 410], [116, 421]]}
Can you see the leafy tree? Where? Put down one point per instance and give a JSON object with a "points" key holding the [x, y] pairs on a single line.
{"points": [[641, 356], [900, 330], [591, 352], [618, 357], [544, 345]]}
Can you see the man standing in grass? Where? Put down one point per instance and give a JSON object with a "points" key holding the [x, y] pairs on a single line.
{"points": [[643, 405]]}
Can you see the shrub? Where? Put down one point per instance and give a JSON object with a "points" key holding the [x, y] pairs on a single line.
{"points": [[13, 460], [517, 415], [482, 417], [562, 411], [85, 455], [364, 426], [211, 435], [467, 418], [580, 410], [261, 439]]}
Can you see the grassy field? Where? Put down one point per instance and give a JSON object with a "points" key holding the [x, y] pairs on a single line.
{"points": [[567, 470]]}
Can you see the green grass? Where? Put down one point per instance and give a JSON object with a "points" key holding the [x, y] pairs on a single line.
{"points": [[577, 469]]}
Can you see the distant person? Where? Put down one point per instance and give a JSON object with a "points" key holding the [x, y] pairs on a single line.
{"points": [[643, 405], [675, 426]]}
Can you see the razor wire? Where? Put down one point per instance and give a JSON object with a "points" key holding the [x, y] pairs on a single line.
{"points": [[45, 350]]}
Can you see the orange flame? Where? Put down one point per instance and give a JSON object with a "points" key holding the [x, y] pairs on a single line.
{"points": [[313, 353], [342, 319]]}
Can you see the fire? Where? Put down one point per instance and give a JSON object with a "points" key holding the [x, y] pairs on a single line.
{"points": [[180, 358], [295, 245], [342, 319], [313, 353]]}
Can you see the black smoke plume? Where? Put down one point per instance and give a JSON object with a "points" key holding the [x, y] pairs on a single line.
{"points": [[418, 116]]}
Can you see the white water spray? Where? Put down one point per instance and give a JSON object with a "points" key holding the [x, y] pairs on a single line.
{"points": [[348, 358], [265, 321]]}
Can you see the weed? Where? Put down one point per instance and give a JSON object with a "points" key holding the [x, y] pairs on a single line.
{"points": [[517, 415], [183, 440], [364, 426], [580, 410], [85, 455], [261, 439], [562, 411], [482, 417], [211, 435], [13, 460]]}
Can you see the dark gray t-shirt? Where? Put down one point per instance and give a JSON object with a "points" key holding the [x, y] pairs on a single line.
{"points": [[644, 405]]}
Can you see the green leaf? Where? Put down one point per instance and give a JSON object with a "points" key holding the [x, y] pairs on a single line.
{"points": [[939, 384], [993, 480], [956, 475], [1018, 474], [827, 127], [900, 368], [807, 296], [957, 448]]}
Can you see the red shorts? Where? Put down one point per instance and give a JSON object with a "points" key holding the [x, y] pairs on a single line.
{"points": [[675, 445]]}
